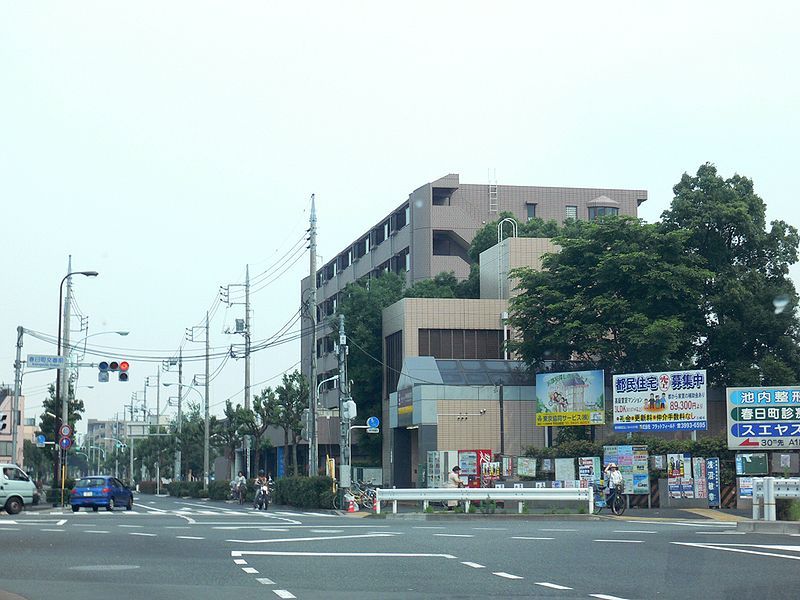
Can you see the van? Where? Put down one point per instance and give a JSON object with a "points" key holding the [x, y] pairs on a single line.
{"points": [[16, 488]]}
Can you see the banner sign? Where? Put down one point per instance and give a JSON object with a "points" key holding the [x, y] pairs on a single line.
{"points": [[566, 399], [665, 401], [565, 469], [632, 462], [526, 467], [700, 474], [765, 417], [589, 469], [679, 476], [713, 482]]}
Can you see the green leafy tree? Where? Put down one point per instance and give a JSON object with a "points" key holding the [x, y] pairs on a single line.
{"points": [[47, 423], [292, 400], [256, 422], [620, 295], [742, 340], [362, 304]]}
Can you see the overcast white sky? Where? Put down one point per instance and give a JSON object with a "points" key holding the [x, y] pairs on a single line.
{"points": [[168, 144]]}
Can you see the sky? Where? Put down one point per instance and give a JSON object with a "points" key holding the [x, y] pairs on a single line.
{"points": [[166, 145]]}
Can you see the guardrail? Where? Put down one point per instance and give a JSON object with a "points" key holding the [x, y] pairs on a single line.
{"points": [[467, 495], [766, 490]]}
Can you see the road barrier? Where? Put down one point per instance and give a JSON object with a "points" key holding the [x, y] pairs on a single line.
{"points": [[768, 489], [468, 495]]}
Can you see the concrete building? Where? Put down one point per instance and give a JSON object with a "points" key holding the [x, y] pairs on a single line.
{"points": [[6, 436], [430, 233]]}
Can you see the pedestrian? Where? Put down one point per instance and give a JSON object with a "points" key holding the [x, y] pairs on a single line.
{"points": [[454, 481]]}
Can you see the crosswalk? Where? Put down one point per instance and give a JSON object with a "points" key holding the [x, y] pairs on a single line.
{"points": [[192, 511]]}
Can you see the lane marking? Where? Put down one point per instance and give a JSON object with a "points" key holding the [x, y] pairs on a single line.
{"points": [[143, 534], [8, 523], [95, 531], [739, 550], [558, 530], [61, 522], [458, 535], [250, 570], [721, 532], [620, 541], [523, 537], [635, 531], [265, 581], [554, 586], [177, 527], [188, 537], [490, 528], [317, 530], [11, 529], [606, 597], [473, 565], [427, 527], [84, 525], [239, 561], [342, 554], [284, 594], [313, 539], [131, 526], [259, 527], [56, 530], [507, 575]]}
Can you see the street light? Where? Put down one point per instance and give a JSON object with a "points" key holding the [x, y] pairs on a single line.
{"points": [[205, 434], [59, 476]]}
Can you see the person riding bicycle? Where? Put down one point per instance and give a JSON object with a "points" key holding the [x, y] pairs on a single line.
{"points": [[614, 482], [239, 484]]}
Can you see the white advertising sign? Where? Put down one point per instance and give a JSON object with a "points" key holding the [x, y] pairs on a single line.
{"points": [[667, 401]]}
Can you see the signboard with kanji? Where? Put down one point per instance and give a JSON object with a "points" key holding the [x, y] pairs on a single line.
{"points": [[666, 401], [573, 398], [763, 417]]}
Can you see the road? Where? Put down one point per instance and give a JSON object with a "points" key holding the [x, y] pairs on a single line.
{"points": [[171, 548]]}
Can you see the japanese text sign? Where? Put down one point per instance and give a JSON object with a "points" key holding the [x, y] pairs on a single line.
{"points": [[767, 417], [665, 401]]}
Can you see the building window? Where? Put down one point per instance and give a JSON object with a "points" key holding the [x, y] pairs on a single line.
{"points": [[571, 212], [461, 343], [408, 261], [602, 211], [531, 208], [394, 361]]}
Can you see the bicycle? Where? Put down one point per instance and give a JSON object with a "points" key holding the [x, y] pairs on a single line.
{"points": [[618, 503]]}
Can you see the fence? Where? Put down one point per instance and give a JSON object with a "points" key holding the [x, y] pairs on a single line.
{"points": [[468, 495], [768, 489]]}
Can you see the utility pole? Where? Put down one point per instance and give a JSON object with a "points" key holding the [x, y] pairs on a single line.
{"points": [[15, 403], [206, 435], [246, 440], [344, 398], [313, 437], [62, 382], [180, 417]]}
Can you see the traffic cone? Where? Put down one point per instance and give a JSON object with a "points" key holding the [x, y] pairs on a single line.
{"points": [[351, 506], [376, 504]]}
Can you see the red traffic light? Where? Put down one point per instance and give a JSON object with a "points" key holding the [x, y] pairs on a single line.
{"points": [[124, 366]]}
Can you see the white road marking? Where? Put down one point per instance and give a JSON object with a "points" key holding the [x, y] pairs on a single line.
{"points": [[95, 531], [143, 534], [57, 530], [342, 554], [250, 570], [265, 581], [8, 523], [429, 527], [177, 527], [473, 565], [635, 531], [259, 527], [558, 530], [507, 575], [720, 533], [11, 529], [458, 535], [620, 541], [727, 548], [554, 586], [716, 525], [61, 522], [239, 561], [606, 597], [284, 594], [490, 528], [131, 526], [84, 525], [314, 530], [188, 537], [312, 539], [523, 537]]}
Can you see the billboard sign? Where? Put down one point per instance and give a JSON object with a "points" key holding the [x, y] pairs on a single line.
{"points": [[573, 398], [666, 401], [589, 468], [632, 462], [763, 417]]}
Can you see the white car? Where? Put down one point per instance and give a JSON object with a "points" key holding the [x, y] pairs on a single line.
{"points": [[16, 488]]}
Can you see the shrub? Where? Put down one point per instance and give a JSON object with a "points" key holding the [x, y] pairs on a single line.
{"points": [[147, 487], [219, 490], [304, 492], [787, 509]]}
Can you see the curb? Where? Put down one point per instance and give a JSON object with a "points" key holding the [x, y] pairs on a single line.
{"points": [[779, 527]]}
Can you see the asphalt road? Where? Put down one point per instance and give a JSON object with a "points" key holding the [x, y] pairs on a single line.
{"points": [[169, 548]]}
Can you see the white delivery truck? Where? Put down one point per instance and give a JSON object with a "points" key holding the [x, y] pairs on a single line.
{"points": [[16, 488]]}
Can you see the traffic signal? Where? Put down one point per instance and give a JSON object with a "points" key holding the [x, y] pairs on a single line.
{"points": [[105, 367]]}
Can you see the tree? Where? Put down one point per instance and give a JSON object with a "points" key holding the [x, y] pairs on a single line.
{"points": [[362, 305], [620, 295], [742, 340], [292, 400], [47, 423], [262, 416]]}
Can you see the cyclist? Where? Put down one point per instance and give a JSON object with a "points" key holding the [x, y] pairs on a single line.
{"points": [[614, 482]]}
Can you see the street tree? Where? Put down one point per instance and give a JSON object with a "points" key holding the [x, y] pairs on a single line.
{"points": [[620, 295], [742, 341], [292, 400]]}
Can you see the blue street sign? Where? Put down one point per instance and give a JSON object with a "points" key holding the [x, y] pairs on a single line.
{"points": [[713, 482], [373, 422], [40, 440], [65, 443]]}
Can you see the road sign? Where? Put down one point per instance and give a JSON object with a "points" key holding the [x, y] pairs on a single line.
{"points": [[763, 417], [40, 440], [45, 361], [373, 422], [373, 430], [65, 430], [65, 443]]}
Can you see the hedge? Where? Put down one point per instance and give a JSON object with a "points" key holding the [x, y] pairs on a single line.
{"points": [[304, 492], [181, 489]]}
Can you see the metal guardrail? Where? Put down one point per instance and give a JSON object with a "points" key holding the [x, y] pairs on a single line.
{"points": [[468, 495], [766, 490]]}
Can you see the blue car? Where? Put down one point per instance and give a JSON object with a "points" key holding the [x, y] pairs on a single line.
{"points": [[100, 490]]}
